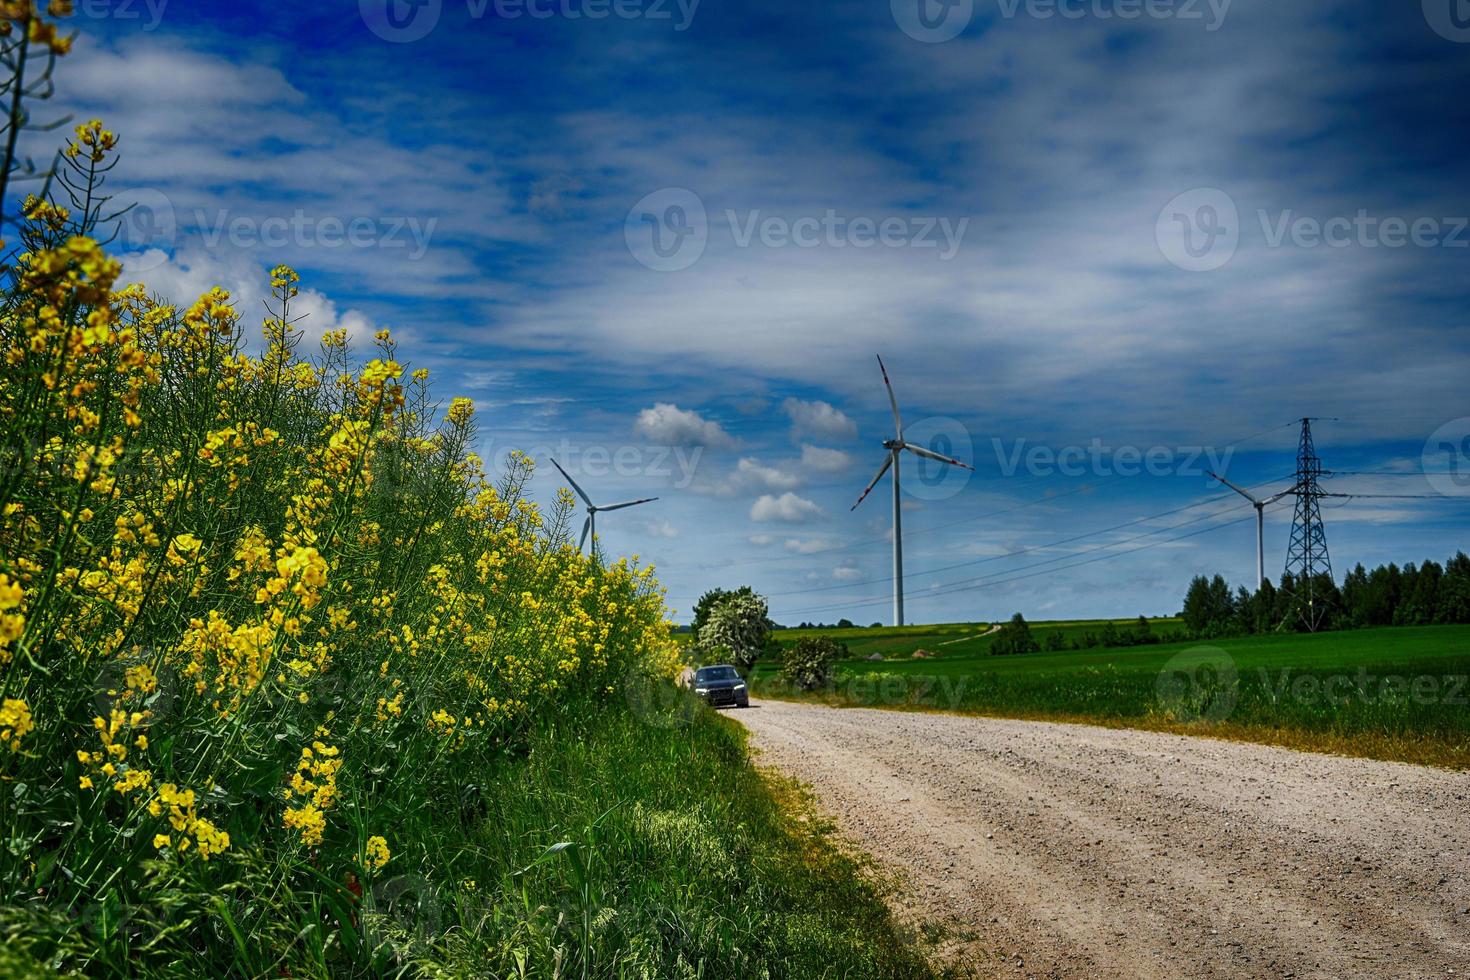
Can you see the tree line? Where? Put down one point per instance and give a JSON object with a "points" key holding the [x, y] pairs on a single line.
{"points": [[1389, 595]]}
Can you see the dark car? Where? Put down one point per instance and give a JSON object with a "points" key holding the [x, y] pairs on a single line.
{"points": [[720, 684]]}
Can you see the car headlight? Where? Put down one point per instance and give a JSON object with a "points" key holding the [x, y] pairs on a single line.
{"points": [[701, 690], [740, 686]]}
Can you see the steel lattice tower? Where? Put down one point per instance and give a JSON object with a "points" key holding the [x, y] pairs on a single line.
{"points": [[1306, 557]]}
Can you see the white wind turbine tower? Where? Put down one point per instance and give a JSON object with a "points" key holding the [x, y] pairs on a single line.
{"points": [[895, 446], [589, 527], [1260, 506]]}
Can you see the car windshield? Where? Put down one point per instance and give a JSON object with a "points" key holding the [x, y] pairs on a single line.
{"points": [[717, 674]]}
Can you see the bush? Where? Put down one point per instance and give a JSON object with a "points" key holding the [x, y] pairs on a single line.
{"points": [[265, 622], [1014, 637], [810, 662], [738, 622]]}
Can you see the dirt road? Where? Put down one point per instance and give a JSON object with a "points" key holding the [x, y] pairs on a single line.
{"points": [[1070, 851]]}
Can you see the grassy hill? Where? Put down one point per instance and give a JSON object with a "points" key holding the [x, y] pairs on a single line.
{"points": [[1393, 693]]}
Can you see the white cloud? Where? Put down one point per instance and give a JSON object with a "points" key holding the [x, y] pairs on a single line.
{"points": [[192, 272], [762, 540], [847, 573], [807, 546], [669, 425], [824, 460], [755, 473], [662, 529], [787, 508], [818, 418]]}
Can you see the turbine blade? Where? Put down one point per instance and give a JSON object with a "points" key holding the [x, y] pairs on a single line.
{"points": [[927, 454], [628, 503], [1234, 487], [586, 526], [881, 470], [1285, 493], [897, 419], [563, 472]]}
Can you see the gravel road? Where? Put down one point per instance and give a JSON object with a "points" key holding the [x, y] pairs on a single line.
{"points": [[1054, 850]]}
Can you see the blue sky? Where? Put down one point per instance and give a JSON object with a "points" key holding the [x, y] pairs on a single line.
{"points": [[665, 241]]}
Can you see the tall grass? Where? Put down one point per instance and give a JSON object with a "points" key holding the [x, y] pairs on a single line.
{"points": [[290, 686]]}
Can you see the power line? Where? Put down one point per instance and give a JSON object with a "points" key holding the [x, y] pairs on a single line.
{"points": [[1026, 551], [1016, 578]]}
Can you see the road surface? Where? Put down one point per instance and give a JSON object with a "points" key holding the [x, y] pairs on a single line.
{"points": [[1053, 850]]}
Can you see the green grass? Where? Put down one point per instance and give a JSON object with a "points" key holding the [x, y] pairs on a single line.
{"points": [[607, 846], [684, 861], [1277, 696], [955, 639]]}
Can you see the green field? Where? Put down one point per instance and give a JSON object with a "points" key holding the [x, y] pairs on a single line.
{"points": [[953, 640], [1397, 693]]}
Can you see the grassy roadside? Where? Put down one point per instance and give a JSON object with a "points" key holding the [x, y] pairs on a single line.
{"points": [[1400, 694], [616, 847]]}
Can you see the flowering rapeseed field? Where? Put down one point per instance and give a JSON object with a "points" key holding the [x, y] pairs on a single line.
{"points": [[263, 615]]}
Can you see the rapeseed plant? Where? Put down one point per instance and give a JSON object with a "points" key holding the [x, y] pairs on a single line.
{"points": [[250, 603]]}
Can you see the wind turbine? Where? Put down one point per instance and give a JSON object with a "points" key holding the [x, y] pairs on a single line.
{"points": [[895, 446], [589, 527], [1260, 506]]}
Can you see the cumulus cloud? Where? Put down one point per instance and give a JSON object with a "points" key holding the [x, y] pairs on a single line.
{"points": [[807, 546], [662, 529], [669, 425], [787, 508], [755, 473], [824, 460], [819, 419]]}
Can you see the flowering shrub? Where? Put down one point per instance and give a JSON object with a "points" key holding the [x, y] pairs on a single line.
{"points": [[263, 614]]}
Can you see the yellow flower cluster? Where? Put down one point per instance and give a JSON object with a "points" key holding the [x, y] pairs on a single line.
{"points": [[12, 624], [314, 784], [178, 806], [15, 722], [377, 853]]}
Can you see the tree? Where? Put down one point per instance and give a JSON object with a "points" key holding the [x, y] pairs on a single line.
{"points": [[711, 599], [738, 621], [1055, 641], [811, 661], [1454, 596], [1014, 637]]}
